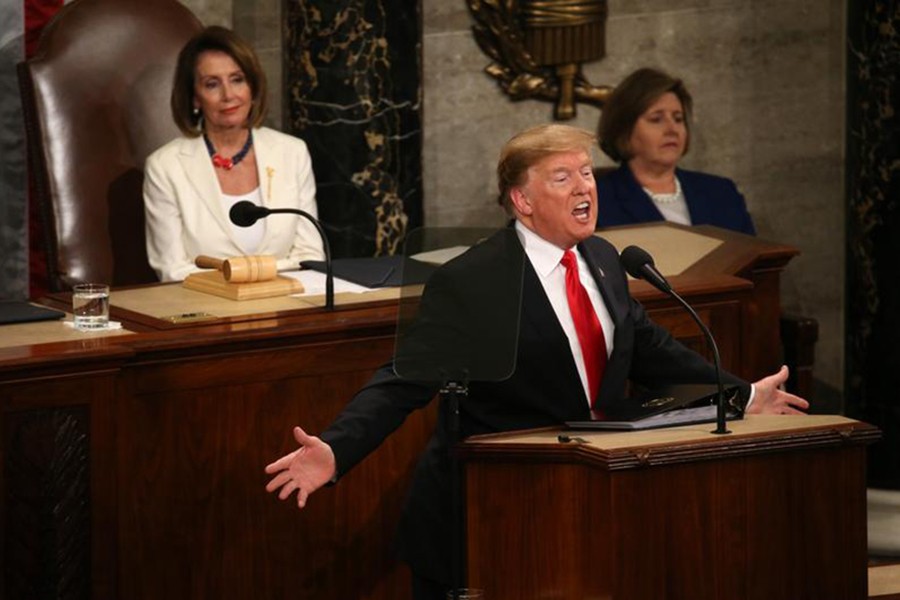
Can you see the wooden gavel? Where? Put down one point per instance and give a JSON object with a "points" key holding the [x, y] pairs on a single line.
{"points": [[240, 269]]}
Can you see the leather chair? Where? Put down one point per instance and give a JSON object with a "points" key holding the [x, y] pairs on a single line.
{"points": [[96, 102]]}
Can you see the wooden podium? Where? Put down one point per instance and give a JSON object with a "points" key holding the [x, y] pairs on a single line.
{"points": [[773, 511], [732, 281]]}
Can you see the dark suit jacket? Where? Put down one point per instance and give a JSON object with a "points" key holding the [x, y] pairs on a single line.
{"points": [[711, 200], [543, 390]]}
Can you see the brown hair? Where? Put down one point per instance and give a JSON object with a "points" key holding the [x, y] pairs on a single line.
{"points": [[219, 39], [527, 148], [629, 101]]}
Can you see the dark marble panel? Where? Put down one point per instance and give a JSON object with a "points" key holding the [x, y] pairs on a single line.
{"points": [[873, 232], [352, 85]]}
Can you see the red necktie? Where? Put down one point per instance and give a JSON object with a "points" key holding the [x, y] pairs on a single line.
{"points": [[587, 325]]}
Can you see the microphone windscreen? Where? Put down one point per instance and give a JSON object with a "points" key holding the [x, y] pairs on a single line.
{"points": [[245, 213], [633, 258]]}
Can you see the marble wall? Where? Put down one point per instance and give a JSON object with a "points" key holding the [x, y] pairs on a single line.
{"points": [[353, 94], [873, 229]]}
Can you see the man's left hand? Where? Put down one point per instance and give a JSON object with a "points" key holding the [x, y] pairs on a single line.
{"points": [[769, 397]]}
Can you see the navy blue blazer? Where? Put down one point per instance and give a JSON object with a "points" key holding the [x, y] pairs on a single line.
{"points": [[543, 390], [711, 200]]}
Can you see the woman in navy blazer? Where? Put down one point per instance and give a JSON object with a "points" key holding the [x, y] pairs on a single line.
{"points": [[645, 126]]}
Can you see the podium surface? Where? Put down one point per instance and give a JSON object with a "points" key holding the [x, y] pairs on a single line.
{"points": [[774, 510]]}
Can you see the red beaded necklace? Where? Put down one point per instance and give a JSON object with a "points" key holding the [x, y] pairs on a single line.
{"points": [[228, 163]]}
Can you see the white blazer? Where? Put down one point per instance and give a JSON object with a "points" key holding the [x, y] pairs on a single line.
{"points": [[185, 216]]}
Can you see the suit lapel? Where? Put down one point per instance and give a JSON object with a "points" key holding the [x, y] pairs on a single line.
{"points": [[538, 316], [696, 206], [270, 169], [201, 174], [615, 310], [639, 205], [273, 177]]}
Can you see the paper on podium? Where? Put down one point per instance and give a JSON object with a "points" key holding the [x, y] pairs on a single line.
{"points": [[675, 249], [375, 271]]}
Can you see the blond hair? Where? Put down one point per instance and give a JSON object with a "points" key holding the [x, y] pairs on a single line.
{"points": [[527, 148]]}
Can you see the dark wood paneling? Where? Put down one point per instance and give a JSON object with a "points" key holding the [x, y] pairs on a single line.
{"points": [[56, 486], [195, 514]]}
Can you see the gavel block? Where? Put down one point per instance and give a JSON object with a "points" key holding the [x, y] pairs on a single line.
{"points": [[240, 269], [241, 278]]}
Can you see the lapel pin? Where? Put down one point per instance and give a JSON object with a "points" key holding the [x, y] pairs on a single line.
{"points": [[269, 173]]}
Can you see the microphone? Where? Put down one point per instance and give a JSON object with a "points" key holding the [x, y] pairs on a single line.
{"points": [[245, 214], [639, 264]]}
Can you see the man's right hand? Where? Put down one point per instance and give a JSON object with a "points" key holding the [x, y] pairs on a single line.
{"points": [[306, 469]]}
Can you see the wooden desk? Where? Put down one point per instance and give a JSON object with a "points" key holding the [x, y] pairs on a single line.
{"points": [[132, 466]]}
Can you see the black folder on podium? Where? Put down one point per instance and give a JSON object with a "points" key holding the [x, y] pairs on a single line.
{"points": [[376, 271], [668, 406]]}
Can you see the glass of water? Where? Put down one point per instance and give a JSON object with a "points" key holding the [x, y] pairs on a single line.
{"points": [[90, 305]]}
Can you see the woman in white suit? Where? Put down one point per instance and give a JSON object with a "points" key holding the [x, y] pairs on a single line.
{"points": [[225, 156]]}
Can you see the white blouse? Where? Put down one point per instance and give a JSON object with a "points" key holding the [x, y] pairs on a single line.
{"points": [[248, 238], [673, 206]]}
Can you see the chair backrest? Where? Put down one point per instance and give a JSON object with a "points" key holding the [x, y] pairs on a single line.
{"points": [[96, 102]]}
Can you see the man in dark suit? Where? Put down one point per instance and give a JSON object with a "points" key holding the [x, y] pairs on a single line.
{"points": [[560, 372]]}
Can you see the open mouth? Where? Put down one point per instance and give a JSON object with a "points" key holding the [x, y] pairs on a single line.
{"points": [[582, 211]]}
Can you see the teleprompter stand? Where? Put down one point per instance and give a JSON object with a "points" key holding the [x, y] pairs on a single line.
{"points": [[461, 328]]}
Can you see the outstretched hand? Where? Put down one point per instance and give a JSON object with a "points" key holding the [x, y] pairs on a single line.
{"points": [[306, 469], [769, 398]]}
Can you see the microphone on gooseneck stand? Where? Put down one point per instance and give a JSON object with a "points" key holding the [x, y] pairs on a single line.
{"points": [[245, 214], [639, 264]]}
